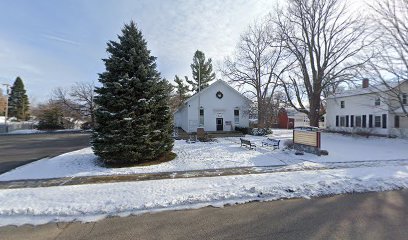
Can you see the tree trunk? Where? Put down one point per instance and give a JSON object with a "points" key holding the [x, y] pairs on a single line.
{"points": [[92, 119], [314, 113], [261, 114]]}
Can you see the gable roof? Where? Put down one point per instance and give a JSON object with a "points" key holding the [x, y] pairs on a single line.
{"points": [[378, 88], [211, 86]]}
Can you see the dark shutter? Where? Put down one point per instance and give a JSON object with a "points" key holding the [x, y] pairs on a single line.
{"points": [[352, 121], [397, 121], [347, 120], [384, 120], [337, 121], [370, 121], [364, 123]]}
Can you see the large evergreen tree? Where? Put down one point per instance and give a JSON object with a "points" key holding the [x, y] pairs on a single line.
{"points": [[133, 121], [181, 90], [204, 69], [18, 101]]}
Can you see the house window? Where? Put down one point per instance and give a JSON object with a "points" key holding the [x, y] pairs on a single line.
{"points": [[377, 121], [201, 116], [397, 121], [236, 116], [347, 120], [337, 121], [377, 101], [384, 120], [370, 121], [404, 98], [342, 104], [352, 121], [364, 121], [358, 121], [342, 121]]}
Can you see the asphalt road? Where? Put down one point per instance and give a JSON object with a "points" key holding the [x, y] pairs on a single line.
{"points": [[17, 150], [358, 216]]}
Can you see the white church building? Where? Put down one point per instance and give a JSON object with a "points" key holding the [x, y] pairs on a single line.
{"points": [[218, 107]]}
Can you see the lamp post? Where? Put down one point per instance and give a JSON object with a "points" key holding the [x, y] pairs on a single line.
{"points": [[6, 112]]}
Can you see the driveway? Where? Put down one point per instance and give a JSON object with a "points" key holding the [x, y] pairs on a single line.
{"points": [[17, 150]]}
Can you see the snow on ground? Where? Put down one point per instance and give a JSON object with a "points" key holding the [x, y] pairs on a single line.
{"points": [[222, 154], [93, 202], [226, 153], [33, 131], [26, 131], [346, 148]]}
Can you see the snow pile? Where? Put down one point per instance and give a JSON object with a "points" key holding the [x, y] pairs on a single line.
{"points": [[93, 202]]}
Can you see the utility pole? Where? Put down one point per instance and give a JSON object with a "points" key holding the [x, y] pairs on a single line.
{"points": [[199, 89], [6, 112]]}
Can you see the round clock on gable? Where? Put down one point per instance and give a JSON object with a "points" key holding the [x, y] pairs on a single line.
{"points": [[219, 94]]}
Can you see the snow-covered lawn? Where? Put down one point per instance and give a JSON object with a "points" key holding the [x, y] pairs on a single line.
{"points": [[96, 201], [226, 153], [93, 202]]}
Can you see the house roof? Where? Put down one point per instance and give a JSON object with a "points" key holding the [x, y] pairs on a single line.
{"points": [[209, 87], [400, 110], [371, 89]]}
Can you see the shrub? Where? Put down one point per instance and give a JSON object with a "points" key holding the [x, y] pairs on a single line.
{"points": [[261, 131], [288, 144], [243, 130], [50, 119]]}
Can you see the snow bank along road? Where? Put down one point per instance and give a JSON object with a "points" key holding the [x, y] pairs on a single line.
{"points": [[17, 150], [97, 201], [354, 216]]}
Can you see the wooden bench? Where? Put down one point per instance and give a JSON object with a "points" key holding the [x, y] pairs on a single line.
{"points": [[245, 142], [270, 142]]}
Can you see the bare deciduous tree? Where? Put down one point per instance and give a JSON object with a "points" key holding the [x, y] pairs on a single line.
{"points": [[3, 103], [324, 41], [79, 98], [389, 67], [256, 67]]}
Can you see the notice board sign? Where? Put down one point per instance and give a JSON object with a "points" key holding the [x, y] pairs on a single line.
{"points": [[307, 139]]}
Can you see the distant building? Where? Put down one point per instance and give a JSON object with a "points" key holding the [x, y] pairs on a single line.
{"points": [[296, 119], [370, 109], [218, 107]]}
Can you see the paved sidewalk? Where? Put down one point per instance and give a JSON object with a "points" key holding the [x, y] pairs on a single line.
{"points": [[34, 183]]}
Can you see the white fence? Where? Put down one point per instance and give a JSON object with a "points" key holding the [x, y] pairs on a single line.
{"points": [[13, 126]]}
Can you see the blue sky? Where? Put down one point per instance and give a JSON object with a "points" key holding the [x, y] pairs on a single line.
{"points": [[57, 43]]}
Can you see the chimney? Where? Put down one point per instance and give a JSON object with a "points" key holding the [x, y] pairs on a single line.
{"points": [[365, 83]]}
